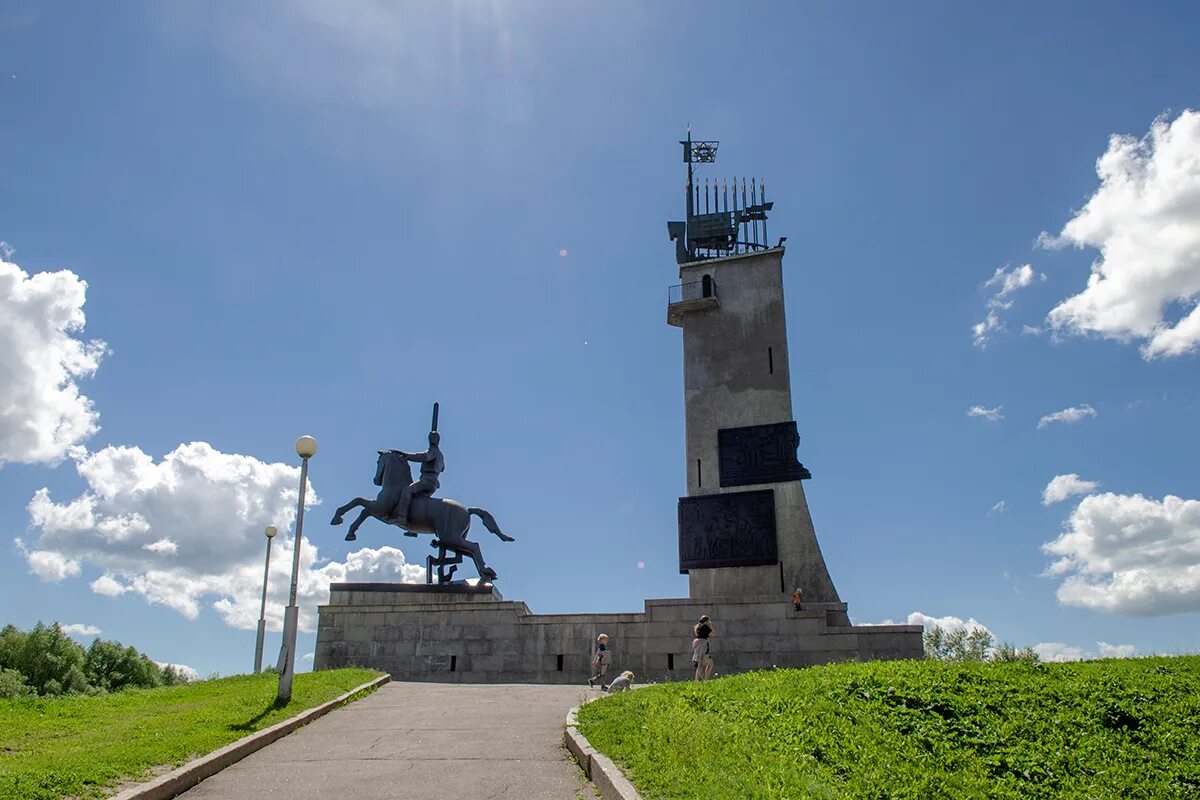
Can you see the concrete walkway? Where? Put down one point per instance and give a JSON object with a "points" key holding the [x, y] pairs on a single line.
{"points": [[420, 740]]}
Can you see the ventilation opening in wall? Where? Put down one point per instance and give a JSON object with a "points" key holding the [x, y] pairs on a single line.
{"points": [[453, 663], [770, 361], [560, 662], [670, 661]]}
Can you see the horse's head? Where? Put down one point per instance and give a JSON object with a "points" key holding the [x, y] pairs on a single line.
{"points": [[390, 467]]}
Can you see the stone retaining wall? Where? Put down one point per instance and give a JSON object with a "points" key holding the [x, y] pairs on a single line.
{"points": [[426, 634]]}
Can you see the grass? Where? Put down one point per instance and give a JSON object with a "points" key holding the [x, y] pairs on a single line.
{"points": [[913, 729], [81, 747]]}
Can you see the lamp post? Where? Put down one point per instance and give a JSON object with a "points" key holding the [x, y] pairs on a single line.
{"points": [[262, 612], [306, 447]]}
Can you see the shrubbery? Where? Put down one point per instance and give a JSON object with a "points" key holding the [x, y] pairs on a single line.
{"points": [[45, 661], [976, 645]]}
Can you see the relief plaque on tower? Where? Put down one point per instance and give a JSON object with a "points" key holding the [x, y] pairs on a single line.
{"points": [[727, 530], [759, 454]]}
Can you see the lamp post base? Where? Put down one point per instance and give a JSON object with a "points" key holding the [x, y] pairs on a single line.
{"points": [[287, 655]]}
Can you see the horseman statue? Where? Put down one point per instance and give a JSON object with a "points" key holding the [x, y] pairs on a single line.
{"points": [[409, 504]]}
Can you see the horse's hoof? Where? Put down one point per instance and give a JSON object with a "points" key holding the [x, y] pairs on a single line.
{"points": [[337, 520], [350, 537]]}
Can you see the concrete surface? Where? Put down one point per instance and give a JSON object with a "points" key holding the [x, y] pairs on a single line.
{"points": [[420, 740]]}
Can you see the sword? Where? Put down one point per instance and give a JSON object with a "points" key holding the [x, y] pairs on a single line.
{"points": [[433, 427]]}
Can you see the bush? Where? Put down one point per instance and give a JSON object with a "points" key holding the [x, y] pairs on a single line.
{"points": [[12, 684]]}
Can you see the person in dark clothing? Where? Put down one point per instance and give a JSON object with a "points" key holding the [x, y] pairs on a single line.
{"points": [[701, 650]]}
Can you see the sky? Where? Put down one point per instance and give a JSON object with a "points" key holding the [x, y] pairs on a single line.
{"points": [[230, 225]]}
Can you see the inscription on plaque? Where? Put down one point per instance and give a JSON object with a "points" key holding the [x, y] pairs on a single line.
{"points": [[759, 454], [727, 530]]}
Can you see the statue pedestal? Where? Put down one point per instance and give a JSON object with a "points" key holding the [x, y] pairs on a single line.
{"points": [[470, 634]]}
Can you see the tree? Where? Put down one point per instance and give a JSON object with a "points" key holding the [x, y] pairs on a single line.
{"points": [[50, 661], [974, 645], [12, 684]]}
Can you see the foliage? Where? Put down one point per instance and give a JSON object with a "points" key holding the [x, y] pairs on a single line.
{"points": [[1008, 652], [12, 684], [51, 663], [957, 645], [913, 729], [78, 746]]}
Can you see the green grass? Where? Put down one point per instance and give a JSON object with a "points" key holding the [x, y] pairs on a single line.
{"points": [[82, 746], [913, 729]]}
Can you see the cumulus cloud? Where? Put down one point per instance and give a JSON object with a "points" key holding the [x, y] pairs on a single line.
{"points": [[1057, 651], [1116, 650], [1067, 415], [990, 414], [182, 670], [1006, 282], [42, 412], [949, 624], [1145, 220], [1129, 554], [1061, 487], [185, 532], [80, 629]]}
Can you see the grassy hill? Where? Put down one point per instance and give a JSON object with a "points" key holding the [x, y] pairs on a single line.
{"points": [[78, 746], [913, 729]]}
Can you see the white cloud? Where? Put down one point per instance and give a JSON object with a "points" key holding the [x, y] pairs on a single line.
{"points": [[1057, 651], [1061, 487], [1129, 554], [307, 657], [990, 414], [162, 546], [186, 532], [182, 670], [108, 586], [1067, 415], [1145, 220], [1007, 282], [80, 629], [999, 508], [42, 413], [949, 624], [1116, 650]]}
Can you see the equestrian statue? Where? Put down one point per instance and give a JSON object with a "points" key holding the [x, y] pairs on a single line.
{"points": [[410, 505]]}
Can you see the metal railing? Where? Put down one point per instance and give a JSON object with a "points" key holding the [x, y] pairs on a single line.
{"points": [[693, 290]]}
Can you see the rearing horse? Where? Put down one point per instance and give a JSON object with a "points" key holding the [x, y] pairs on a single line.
{"points": [[447, 520]]}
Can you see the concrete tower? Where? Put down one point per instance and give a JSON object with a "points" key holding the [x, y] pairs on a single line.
{"points": [[744, 527]]}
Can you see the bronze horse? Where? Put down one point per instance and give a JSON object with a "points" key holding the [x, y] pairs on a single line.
{"points": [[447, 520]]}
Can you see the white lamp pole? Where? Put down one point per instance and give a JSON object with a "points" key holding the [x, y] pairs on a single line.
{"points": [[306, 447], [262, 613]]}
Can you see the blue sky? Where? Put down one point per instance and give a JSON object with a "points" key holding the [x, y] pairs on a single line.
{"points": [[320, 218]]}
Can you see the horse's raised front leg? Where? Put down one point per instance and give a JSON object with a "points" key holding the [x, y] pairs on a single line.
{"points": [[337, 516], [352, 534]]}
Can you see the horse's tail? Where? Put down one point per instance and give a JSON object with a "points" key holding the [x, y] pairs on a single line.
{"points": [[489, 522]]}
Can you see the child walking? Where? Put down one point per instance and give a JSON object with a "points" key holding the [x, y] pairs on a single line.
{"points": [[600, 661]]}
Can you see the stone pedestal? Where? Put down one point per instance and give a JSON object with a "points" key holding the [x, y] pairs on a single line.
{"points": [[469, 634]]}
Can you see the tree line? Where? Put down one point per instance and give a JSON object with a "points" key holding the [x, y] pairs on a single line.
{"points": [[47, 662]]}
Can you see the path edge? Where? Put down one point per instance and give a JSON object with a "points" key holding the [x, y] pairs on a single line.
{"points": [[599, 768], [179, 780]]}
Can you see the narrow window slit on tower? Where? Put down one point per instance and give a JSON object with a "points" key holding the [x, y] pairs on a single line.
{"points": [[699, 474], [782, 588], [453, 663], [770, 361], [560, 662], [670, 661]]}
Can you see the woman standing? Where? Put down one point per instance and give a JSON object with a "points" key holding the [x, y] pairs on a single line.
{"points": [[701, 651]]}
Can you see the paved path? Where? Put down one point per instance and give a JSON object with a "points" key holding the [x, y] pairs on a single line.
{"points": [[419, 740]]}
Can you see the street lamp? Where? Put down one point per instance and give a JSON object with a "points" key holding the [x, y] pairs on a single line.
{"points": [[306, 447], [262, 613]]}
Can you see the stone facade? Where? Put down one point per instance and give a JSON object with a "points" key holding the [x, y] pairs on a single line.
{"points": [[471, 635]]}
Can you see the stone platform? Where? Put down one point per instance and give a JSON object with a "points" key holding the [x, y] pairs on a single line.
{"points": [[469, 634]]}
